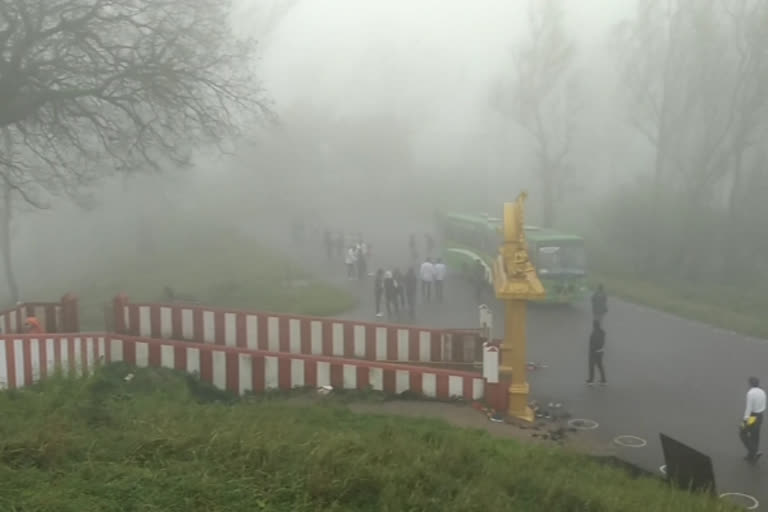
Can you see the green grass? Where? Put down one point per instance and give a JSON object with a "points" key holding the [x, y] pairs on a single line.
{"points": [[164, 442], [731, 308], [220, 270]]}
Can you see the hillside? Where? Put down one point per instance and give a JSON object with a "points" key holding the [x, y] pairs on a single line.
{"points": [[164, 442]]}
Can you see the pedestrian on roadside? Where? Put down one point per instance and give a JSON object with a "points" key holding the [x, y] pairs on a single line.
{"points": [[391, 293], [410, 285], [599, 304], [596, 350], [350, 260], [328, 242], [412, 247], [362, 261], [440, 271], [427, 275], [429, 243], [378, 291], [753, 420]]}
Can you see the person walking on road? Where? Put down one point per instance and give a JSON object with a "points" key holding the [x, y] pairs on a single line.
{"points": [[427, 275], [599, 304], [362, 261], [596, 349], [400, 280], [378, 291], [410, 285], [350, 260], [391, 293], [440, 271], [753, 420], [413, 249], [328, 241]]}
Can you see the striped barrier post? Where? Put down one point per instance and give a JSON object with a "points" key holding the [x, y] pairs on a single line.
{"points": [[297, 334]]}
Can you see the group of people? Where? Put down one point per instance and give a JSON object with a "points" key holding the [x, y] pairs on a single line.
{"points": [[398, 291], [356, 260]]}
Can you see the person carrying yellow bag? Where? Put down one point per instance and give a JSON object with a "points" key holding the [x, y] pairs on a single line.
{"points": [[753, 420]]}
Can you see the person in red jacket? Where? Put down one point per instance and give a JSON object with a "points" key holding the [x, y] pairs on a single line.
{"points": [[32, 326]]}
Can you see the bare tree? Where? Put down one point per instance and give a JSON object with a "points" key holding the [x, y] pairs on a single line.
{"points": [[544, 100], [90, 87]]}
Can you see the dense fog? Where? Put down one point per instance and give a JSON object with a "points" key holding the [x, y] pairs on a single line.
{"points": [[637, 123]]}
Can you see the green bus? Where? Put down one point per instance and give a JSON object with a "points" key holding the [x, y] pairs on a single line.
{"points": [[559, 258]]}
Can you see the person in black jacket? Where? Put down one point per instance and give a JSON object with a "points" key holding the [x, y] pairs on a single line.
{"points": [[378, 290], [411, 284], [596, 348], [599, 304]]}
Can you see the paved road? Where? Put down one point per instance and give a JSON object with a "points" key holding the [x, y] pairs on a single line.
{"points": [[666, 374]]}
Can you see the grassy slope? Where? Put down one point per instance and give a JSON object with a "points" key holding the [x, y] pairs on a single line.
{"points": [[221, 270], [730, 308], [160, 443]]}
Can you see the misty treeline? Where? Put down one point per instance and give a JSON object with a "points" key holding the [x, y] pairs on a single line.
{"points": [[91, 88], [694, 75], [691, 80]]}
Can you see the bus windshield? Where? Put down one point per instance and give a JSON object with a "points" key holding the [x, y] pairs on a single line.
{"points": [[555, 258]]}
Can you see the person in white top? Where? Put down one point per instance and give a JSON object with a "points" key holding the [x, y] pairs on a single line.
{"points": [[439, 273], [753, 420], [427, 275], [350, 259]]}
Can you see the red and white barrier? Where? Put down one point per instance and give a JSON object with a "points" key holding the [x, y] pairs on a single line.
{"points": [[297, 334], [26, 359], [242, 371], [54, 317]]}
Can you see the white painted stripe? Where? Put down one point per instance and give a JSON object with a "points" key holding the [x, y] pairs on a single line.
{"points": [[142, 354], [34, 353], [429, 385], [209, 327], [18, 360], [193, 360], [115, 351], [455, 386], [360, 341], [230, 329], [145, 327], [349, 374], [338, 340], [376, 379], [252, 332], [167, 356], [271, 370], [3, 366], [425, 346], [127, 318], [245, 374], [64, 351], [50, 357], [478, 389], [316, 337], [187, 324], [323, 374], [294, 336], [402, 381], [273, 334], [166, 322], [78, 356], [381, 343], [402, 345], [219, 369], [297, 373]]}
